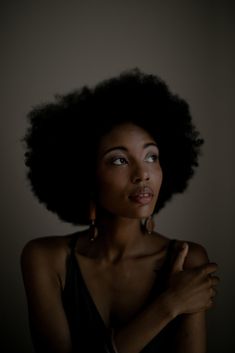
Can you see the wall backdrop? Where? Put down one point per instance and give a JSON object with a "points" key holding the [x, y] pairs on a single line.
{"points": [[50, 47]]}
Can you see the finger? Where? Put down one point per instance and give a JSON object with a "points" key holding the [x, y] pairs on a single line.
{"points": [[209, 268], [212, 302], [213, 293], [180, 258], [215, 280]]}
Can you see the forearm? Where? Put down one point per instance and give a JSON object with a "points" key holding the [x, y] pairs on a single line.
{"points": [[189, 333], [135, 335]]}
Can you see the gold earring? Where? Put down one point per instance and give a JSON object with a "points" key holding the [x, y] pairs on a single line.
{"points": [[93, 231], [149, 225]]}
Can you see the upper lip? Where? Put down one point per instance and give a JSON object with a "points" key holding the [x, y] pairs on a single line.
{"points": [[141, 190]]}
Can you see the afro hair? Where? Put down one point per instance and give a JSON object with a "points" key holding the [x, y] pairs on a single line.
{"points": [[62, 138]]}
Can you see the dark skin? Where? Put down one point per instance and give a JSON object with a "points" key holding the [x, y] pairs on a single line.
{"points": [[127, 160]]}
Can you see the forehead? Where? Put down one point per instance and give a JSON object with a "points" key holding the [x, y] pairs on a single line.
{"points": [[125, 134]]}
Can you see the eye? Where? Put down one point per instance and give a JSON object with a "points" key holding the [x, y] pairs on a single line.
{"points": [[119, 161], [151, 158]]}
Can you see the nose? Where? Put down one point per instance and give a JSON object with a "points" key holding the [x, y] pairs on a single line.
{"points": [[139, 174]]}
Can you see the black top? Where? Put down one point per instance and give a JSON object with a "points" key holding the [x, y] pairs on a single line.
{"points": [[87, 328]]}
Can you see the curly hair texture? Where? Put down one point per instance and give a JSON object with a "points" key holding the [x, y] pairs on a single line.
{"points": [[62, 138]]}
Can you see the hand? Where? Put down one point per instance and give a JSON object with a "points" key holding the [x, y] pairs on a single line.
{"points": [[191, 290]]}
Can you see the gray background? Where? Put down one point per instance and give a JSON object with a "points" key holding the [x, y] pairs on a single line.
{"points": [[52, 47]]}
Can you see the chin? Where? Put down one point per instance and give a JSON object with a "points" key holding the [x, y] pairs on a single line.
{"points": [[142, 214]]}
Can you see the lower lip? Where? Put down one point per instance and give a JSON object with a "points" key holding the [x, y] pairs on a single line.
{"points": [[142, 200]]}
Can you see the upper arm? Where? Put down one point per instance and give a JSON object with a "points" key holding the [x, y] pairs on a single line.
{"points": [[197, 256], [47, 318], [191, 328]]}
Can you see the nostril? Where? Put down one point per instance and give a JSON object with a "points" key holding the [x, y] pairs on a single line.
{"points": [[139, 178], [145, 175]]}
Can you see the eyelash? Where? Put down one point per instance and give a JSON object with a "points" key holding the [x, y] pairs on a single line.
{"points": [[154, 156], [114, 159]]}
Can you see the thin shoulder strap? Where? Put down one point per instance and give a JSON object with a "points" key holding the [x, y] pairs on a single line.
{"points": [[171, 249], [72, 243], [170, 255], [70, 262]]}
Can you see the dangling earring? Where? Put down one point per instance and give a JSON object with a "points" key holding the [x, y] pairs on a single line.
{"points": [[93, 231], [149, 225]]}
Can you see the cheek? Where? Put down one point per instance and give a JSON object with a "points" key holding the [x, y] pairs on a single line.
{"points": [[111, 183], [107, 175], [111, 186], [157, 176], [111, 195], [160, 177]]}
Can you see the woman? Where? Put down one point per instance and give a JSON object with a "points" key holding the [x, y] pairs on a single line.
{"points": [[110, 157]]}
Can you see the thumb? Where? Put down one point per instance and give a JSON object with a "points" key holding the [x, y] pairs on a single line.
{"points": [[180, 258]]}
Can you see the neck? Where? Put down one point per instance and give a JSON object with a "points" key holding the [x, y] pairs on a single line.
{"points": [[119, 238]]}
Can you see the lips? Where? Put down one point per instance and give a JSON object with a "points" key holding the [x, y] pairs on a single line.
{"points": [[142, 195]]}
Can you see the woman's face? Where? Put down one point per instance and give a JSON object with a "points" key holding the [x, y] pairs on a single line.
{"points": [[129, 174]]}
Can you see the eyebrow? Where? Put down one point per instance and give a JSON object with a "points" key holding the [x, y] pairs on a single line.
{"points": [[122, 148]]}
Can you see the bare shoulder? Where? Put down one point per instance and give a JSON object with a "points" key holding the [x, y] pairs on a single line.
{"points": [[44, 249], [41, 263], [197, 254], [46, 254], [161, 241]]}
